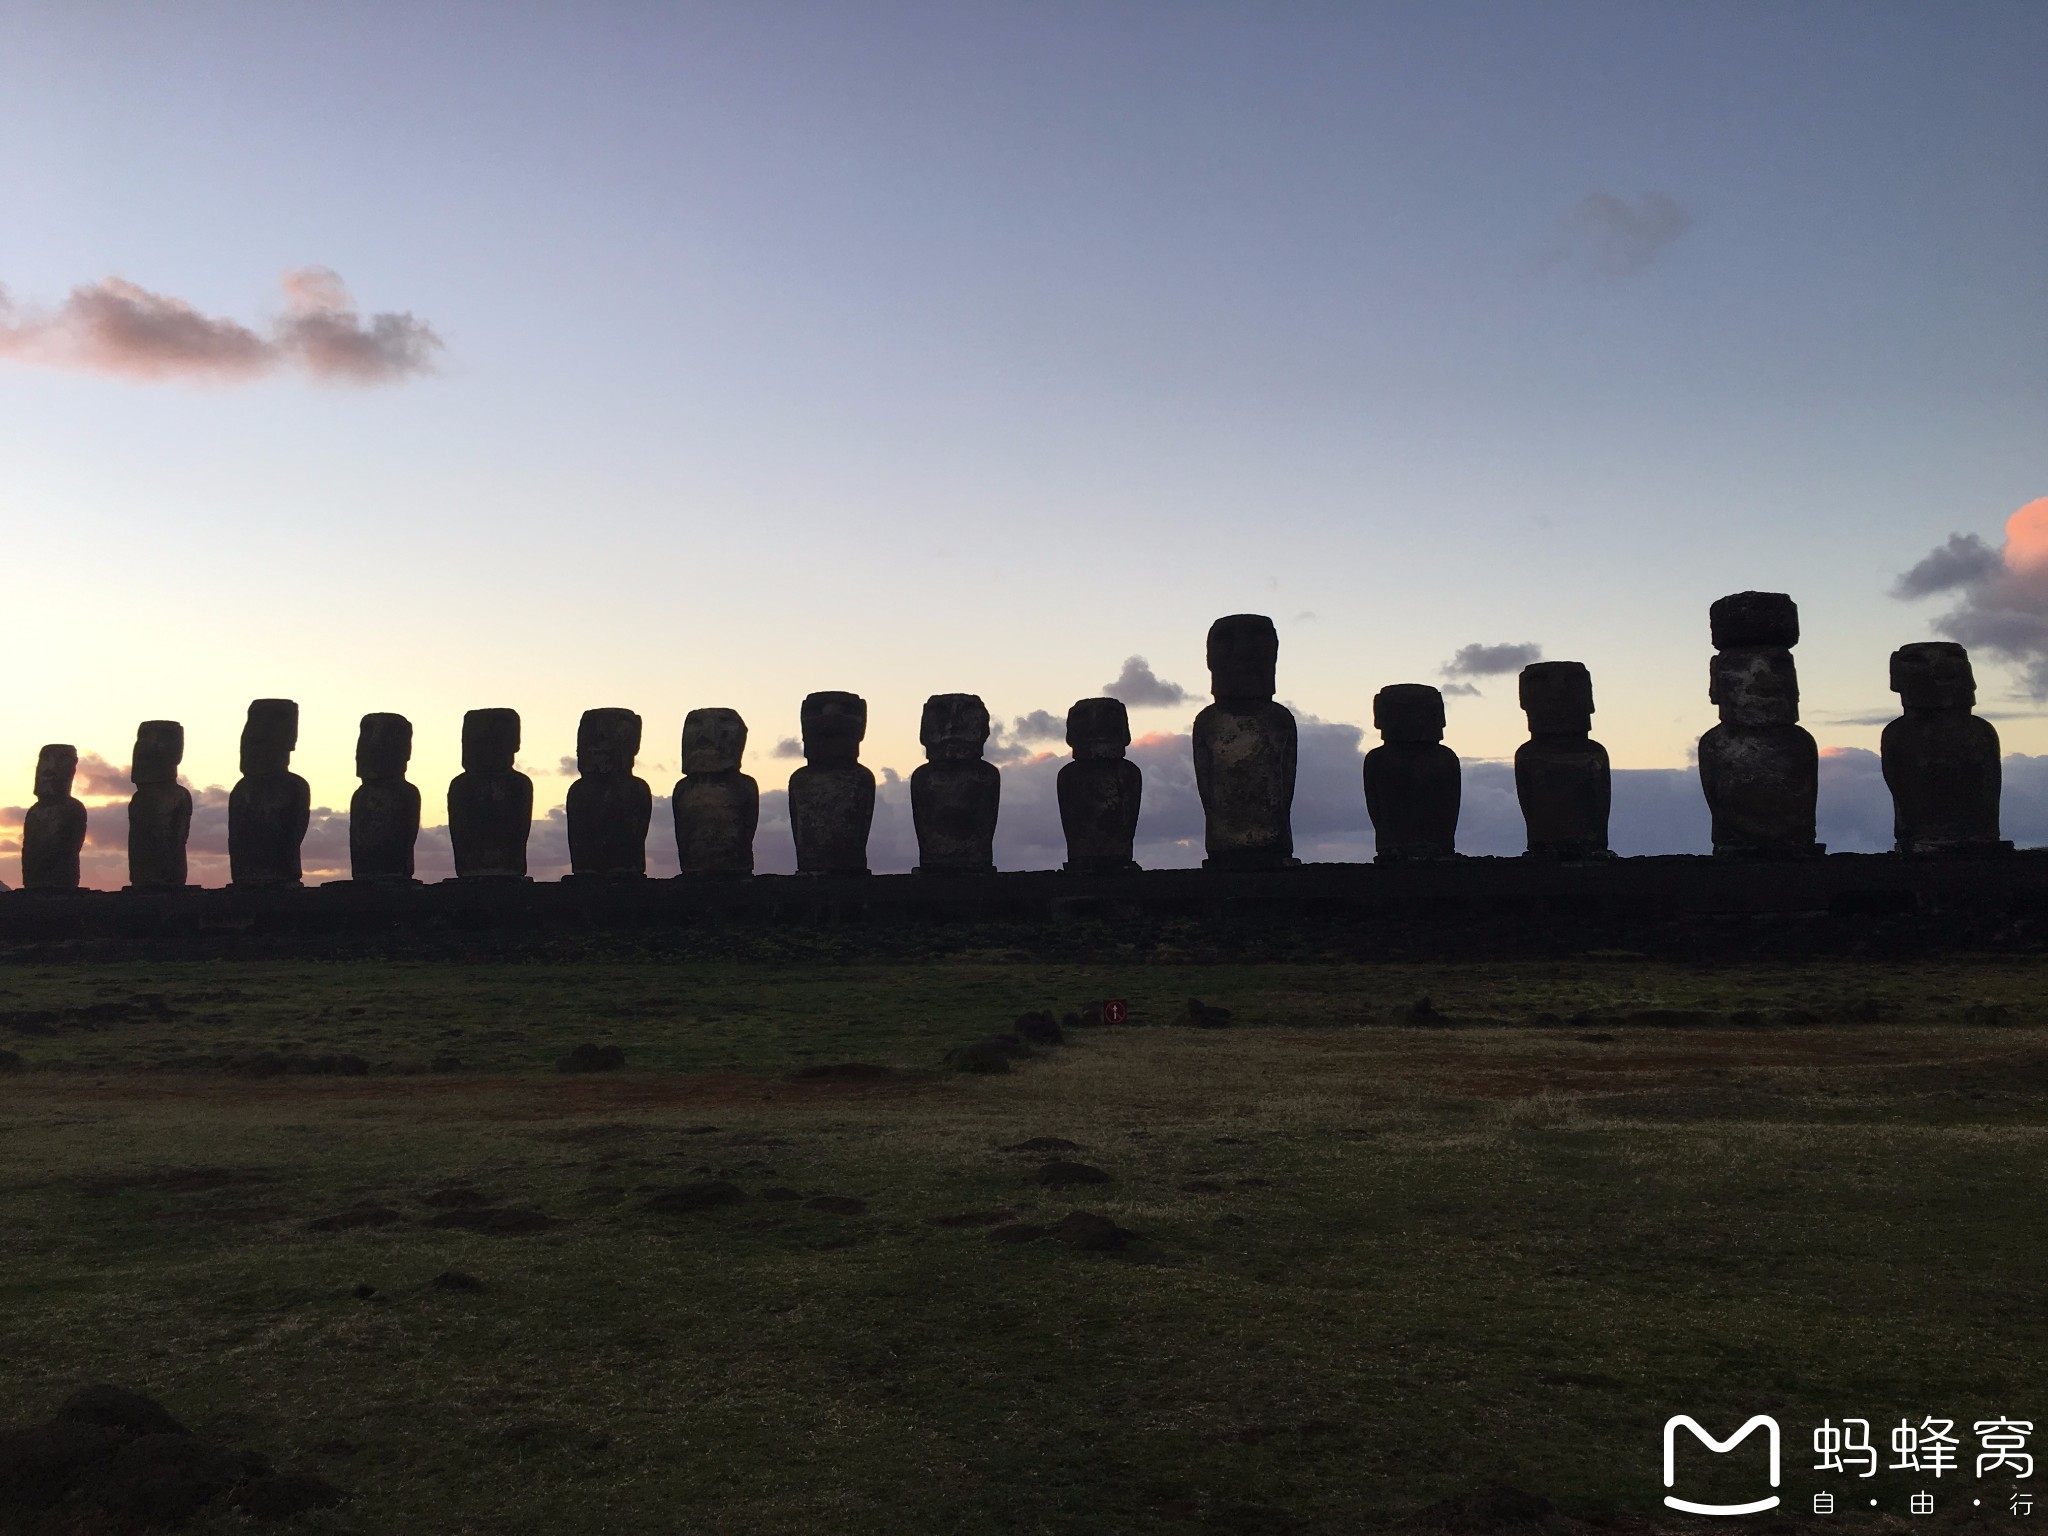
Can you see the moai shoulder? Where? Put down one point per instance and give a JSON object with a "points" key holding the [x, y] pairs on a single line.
{"points": [[1412, 780], [1100, 791]]}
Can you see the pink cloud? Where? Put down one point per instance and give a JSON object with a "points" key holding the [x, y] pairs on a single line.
{"points": [[122, 330]]}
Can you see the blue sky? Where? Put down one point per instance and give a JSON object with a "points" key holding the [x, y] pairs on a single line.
{"points": [[955, 347]]}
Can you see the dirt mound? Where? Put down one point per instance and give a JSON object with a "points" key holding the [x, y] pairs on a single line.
{"points": [[1201, 1015], [456, 1280], [1060, 1174], [1091, 1232], [454, 1197], [355, 1216], [1039, 1029], [1045, 1144], [494, 1221]]}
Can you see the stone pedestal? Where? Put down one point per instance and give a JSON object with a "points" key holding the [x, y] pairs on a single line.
{"points": [[53, 830], [270, 805], [384, 813], [1561, 773], [1100, 790], [1245, 749], [832, 797], [160, 814], [490, 803], [1941, 762], [609, 808], [717, 808], [955, 794], [1412, 785], [1759, 770]]}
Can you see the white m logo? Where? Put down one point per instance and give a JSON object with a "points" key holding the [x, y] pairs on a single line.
{"points": [[1671, 1424]]}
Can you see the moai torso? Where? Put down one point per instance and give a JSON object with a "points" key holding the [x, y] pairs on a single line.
{"points": [[717, 808], [1561, 773], [1100, 790], [1759, 770], [1941, 762], [160, 813], [832, 797], [1412, 784], [270, 805], [490, 803], [384, 812], [609, 807], [53, 831], [955, 794], [1245, 748]]}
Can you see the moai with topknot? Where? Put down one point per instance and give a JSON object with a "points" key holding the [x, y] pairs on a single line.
{"points": [[609, 807], [1245, 748], [490, 803], [53, 831], [832, 797], [1760, 771], [716, 806], [1561, 773], [160, 813], [1940, 761], [955, 794], [1412, 784], [270, 805], [1100, 790], [384, 813]]}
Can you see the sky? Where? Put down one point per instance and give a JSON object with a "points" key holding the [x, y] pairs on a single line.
{"points": [[419, 358]]}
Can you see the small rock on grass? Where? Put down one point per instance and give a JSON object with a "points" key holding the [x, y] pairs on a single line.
{"points": [[1091, 1232], [592, 1058], [1065, 1175], [113, 1407], [456, 1280], [1040, 1029], [282, 1495], [982, 1057], [1201, 1015]]}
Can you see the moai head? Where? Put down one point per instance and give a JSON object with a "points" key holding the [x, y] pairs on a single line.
{"points": [[55, 766], [383, 747], [1754, 618], [1933, 674], [954, 728], [1098, 728], [159, 748], [1754, 686], [268, 738], [490, 740], [1244, 650], [833, 725], [1409, 712], [1557, 696], [714, 741], [607, 741]]}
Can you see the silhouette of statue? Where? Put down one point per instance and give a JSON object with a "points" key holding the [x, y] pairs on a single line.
{"points": [[270, 805], [1561, 773], [384, 813], [490, 803], [1940, 761], [609, 807], [1411, 782], [1100, 790], [160, 813], [954, 793], [1245, 750], [716, 806], [53, 831], [1760, 771], [832, 797]]}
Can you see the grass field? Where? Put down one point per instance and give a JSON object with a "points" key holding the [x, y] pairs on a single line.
{"points": [[1381, 1256]]}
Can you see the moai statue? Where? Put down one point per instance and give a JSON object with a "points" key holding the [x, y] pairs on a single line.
{"points": [[832, 797], [160, 814], [270, 805], [490, 803], [1245, 750], [1760, 771], [53, 831], [1561, 774], [716, 806], [384, 814], [1411, 781], [1100, 789], [954, 793], [1940, 761], [608, 807]]}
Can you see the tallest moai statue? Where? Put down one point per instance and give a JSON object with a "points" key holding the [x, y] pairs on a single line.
{"points": [[1245, 746], [1760, 771]]}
